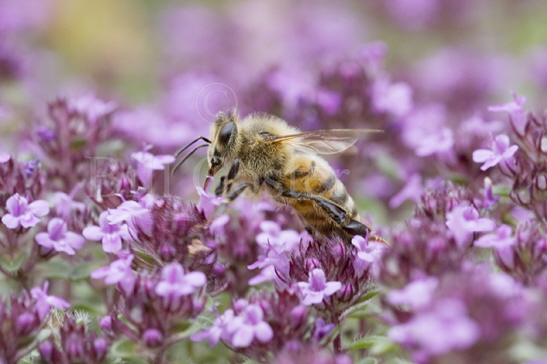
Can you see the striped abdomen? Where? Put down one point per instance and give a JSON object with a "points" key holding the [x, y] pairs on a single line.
{"points": [[313, 175]]}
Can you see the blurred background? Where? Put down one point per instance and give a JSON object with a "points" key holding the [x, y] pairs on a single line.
{"points": [[411, 68]]}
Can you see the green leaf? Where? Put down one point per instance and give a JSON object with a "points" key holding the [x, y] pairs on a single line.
{"points": [[56, 268], [12, 264], [376, 344], [82, 271], [127, 350], [367, 361]]}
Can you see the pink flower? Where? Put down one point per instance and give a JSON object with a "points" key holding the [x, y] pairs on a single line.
{"points": [[45, 302], [317, 288], [464, 220], [500, 151], [58, 238], [147, 162], [21, 213], [110, 234]]}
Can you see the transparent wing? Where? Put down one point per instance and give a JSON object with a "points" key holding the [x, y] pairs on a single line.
{"points": [[323, 141]]}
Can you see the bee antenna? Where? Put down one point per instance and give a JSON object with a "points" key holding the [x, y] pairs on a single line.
{"points": [[188, 156], [178, 152]]}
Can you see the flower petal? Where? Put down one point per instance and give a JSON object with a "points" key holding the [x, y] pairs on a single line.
{"points": [[39, 208], [10, 221], [93, 233]]}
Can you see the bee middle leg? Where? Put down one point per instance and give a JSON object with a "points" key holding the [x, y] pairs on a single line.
{"points": [[227, 181], [339, 215]]}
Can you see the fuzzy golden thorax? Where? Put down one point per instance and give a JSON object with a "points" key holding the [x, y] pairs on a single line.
{"points": [[249, 140]]}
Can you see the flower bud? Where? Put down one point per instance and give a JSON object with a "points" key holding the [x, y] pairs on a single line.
{"points": [[298, 316], [26, 322], [105, 323], [312, 264], [152, 338]]}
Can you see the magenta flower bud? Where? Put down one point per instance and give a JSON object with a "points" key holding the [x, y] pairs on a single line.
{"points": [[101, 348], [312, 264], [26, 322], [541, 182], [74, 348], [299, 315], [46, 352], [219, 269], [240, 305], [105, 323], [293, 346], [152, 338], [167, 253], [346, 293]]}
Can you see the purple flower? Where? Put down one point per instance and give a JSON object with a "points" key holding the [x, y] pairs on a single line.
{"points": [[500, 151], [20, 212], [134, 213], [45, 302], [208, 202], [439, 330], [65, 205], [317, 288], [413, 190], [58, 238], [4, 157], [119, 271], [248, 326], [217, 331], [91, 107], [175, 282], [273, 237], [394, 98], [518, 118], [147, 162], [464, 220], [110, 234], [438, 141], [416, 294], [369, 251], [502, 237]]}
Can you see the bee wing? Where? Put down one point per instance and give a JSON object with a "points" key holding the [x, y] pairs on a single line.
{"points": [[323, 141]]}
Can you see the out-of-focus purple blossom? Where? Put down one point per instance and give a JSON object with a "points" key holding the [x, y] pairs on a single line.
{"points": [[21, 15], [272, 237], [297, 353], [516, 113], [147, 163], [395, 98], [217, 225], [489, 198], [65, 205], [45, 301], [91, 107], [441, 141], [110, 234], [317, 288], [412, 190], [413, 15], [463, 220], [501, 151], [4, 157], [217, 331], [22, 213], [247, 326], [322, 329], [417, 294], [501, 237], [175, 282], [119, 271], [421, 123], [59, 238], [434, 332], [134, 213]]}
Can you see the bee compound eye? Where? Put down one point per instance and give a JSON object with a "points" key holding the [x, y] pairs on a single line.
{"points": [[226, 133]]}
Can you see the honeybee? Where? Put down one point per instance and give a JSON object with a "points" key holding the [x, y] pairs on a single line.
{"points": [[269, 156]]}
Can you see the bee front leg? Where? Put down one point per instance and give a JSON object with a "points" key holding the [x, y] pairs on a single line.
{"points": [[232, 174]]}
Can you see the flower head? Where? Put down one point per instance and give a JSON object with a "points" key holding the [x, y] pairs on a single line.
{"points": [[147, 162], [500, 151], [110, 234], [249, 325], [45, 302], [317, 288], [175, 282], [463, 220], [22, 213], [119, 271], [58, 238]]}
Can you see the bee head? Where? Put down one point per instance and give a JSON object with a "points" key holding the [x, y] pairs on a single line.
{"points": [[223, 147]]}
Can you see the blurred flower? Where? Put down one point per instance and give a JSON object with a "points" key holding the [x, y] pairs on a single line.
{"points": [[500, 151], [147, 163], [217, 331], [208, 202], [317, 288], [502, 237], [417, 294], [110, 234], [175, 282], [514, 108], [369, 251], [45, 302], [272, 237], [58, 238], [4, 157], [444, 328], [119, 271], [247, 326], [464, 220], [91, 107], [21, 213]]}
